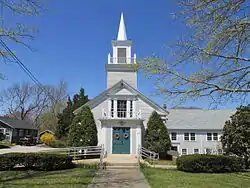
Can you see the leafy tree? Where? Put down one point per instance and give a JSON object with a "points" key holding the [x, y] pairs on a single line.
{"points": [[212, 59], [2, 136], [12, 31], [83, 131], [157, 137], [64, 120], [236, 133]]}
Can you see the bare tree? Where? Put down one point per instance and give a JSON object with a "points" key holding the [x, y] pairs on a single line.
{"points": [[213, 61], [28, 101]]}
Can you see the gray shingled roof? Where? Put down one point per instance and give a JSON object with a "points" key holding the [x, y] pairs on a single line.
{"points": [[198, 119], [16, 123]]}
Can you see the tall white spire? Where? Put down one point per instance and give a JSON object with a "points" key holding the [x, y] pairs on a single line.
{"points": [[122, 30]]}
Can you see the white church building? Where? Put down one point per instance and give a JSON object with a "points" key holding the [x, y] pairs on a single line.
{"points": [[121, 112]]}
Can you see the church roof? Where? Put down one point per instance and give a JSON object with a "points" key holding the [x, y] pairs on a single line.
{"points": [[117, 87], [197, 119]]}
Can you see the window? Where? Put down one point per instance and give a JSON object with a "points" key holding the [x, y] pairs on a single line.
{"points": [[131, 108], [2, 130], [174, 148], [208, 151], [184, 151], [220, 152], [186, 136], [215, 136], [112, 108], [121, 55], [192, 136], [196, 151], [121, 108], [209, 136], [21, 133], [173, 136]]}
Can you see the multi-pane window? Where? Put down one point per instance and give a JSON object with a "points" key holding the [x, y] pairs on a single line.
{"points": [[2, 130], [186, 136], [208, 151], [21, 133], [209, 136], [212, 136], [189, 136], [174, 148], [131, 108], [112, 108], [192, 136], [173, 136], [220, 151], [215, 136], [196, 151], [184, 151], [121, 108]]}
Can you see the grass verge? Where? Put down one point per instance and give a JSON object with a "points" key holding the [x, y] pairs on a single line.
{"points": [[161, 178], [76, 177]]}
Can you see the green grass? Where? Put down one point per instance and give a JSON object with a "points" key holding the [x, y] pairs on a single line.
{"points": [[161, 178], [164, 162], [77, 177]]}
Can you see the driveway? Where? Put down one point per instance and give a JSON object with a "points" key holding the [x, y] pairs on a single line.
{"points": [[25, 149]]}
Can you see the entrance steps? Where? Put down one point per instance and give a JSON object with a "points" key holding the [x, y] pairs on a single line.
{"points": [[126, 161]]}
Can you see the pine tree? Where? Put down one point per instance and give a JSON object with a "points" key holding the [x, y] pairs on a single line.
{"points": [[83, 131], [80, 99], [157, 137], [64, 120], [236, 133]]}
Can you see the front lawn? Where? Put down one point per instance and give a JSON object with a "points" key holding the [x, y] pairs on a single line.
{"points": [[164, 162], [161, 178], [77, 177]]}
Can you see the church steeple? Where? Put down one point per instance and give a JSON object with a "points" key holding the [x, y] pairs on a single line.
{"points": [[119, 65], [122, 35]]}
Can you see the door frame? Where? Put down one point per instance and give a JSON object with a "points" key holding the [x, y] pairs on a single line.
{"points": [[130, 132]]}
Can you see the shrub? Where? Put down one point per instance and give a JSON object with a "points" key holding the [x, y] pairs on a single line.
{"points": [[157, 137], [36, 161], [59, 144], [47, 138], [210, 163]]}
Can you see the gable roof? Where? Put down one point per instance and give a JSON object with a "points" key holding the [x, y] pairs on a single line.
{"points": [[197, 119], [16, 123], [117, 87]]}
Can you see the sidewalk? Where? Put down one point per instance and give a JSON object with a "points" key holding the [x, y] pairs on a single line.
{"points": [[119, 178]]}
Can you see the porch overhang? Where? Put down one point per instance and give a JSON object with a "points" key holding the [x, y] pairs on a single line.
{"points": [[121, 122]]}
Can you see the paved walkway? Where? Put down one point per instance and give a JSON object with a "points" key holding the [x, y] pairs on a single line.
{"points": [[25, 149], [119, 178]]}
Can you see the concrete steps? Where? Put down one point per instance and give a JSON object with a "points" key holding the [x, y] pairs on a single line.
{"points": [[120, 161]]}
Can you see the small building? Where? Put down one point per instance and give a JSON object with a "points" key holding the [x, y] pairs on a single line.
{"points": [[14, 129]]}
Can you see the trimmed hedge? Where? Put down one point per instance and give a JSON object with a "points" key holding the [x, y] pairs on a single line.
{"points": [[210, 163], [35, 161]]}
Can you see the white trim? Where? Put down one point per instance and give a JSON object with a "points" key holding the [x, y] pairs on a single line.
{"points": [[6, 123]]}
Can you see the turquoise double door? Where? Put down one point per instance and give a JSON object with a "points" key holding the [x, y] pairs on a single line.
{"points": [[121, 140]]}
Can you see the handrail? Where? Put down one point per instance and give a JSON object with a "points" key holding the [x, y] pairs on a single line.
{"points": [[143, 152], [76, 152]]}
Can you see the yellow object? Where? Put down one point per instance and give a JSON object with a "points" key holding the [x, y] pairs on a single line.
{"points": [[47, 138]]}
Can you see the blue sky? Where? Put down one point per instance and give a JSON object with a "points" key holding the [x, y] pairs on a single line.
{"points": [[75, 39]]}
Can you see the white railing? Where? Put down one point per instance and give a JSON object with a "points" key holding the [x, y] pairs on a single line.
{"points": [[122, 60], [78, 152], [121, 114], [144, 153]]}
